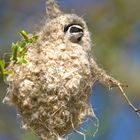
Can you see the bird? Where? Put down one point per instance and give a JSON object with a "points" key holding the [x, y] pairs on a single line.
{"points": [[51, 92]]}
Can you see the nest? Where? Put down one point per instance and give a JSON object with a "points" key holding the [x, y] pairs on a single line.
{"points": [[52, 90]]}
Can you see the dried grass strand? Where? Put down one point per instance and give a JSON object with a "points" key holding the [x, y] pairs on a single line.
{"points": [[110, 81]]}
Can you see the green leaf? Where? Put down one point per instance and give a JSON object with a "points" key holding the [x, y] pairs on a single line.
{"points": [[2, 65], [33, 39], [7, 72], [21, 60], [14, 51], [24, 34], [3, 71]]}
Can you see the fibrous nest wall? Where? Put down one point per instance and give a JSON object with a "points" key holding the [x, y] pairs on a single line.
{"points": [[51, 92]]}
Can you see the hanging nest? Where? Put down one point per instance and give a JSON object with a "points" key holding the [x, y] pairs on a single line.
{"points": [[53, 88], [51, 92]]}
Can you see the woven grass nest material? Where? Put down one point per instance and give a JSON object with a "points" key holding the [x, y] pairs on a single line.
{"points": [[52, 90]]}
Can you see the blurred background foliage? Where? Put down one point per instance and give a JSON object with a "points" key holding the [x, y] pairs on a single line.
{"points": [[115, 31]]}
